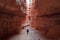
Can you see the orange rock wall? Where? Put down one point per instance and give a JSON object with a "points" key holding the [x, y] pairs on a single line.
{"points": [[11, 18], [42, 19]]}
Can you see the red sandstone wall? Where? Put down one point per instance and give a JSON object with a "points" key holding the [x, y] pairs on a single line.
{"points": [[48, 25], [10, 19]]}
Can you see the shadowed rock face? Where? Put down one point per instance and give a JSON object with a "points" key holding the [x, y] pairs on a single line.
{"points": [[10, 19], [46, 18]]}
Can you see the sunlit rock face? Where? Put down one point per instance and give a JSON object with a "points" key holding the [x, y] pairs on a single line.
{"points": [[11, 18], [46, 18]]}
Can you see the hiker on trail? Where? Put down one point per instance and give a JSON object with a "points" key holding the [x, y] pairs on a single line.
{"points": [[27, 31]]}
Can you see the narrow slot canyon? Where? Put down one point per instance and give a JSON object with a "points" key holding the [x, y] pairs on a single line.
{"points": [[29, 20], [28, 32]]}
